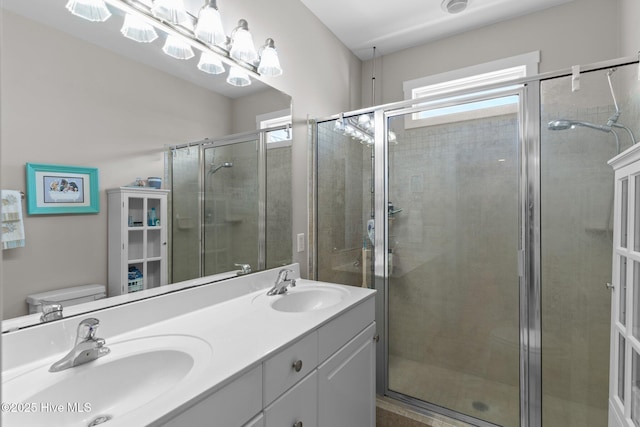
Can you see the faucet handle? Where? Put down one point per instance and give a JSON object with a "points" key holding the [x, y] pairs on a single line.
{"points": [[87, 328], [284, 274]]}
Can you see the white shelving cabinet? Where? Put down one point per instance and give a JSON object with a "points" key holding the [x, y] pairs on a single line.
{"points": [[133, 242], [624, 376]]}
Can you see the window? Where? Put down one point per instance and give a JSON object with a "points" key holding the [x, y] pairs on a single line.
{"points": [[467, 78], [280, 137]]}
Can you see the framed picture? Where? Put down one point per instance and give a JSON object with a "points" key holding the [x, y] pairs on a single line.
{"points": [[55, 189]]}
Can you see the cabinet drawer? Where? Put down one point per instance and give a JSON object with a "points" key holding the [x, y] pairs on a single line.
{"points": [[232, 405], [300, 404], [289, 366], [339, 331]]}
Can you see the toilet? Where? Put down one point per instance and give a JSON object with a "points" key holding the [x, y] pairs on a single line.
{"points": [[66, 296]]}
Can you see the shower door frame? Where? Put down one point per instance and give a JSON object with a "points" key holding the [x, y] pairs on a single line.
{"points": [[258, 135], [529, 326]]}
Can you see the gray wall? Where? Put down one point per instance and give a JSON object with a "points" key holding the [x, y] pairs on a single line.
{"points": [[579, 32]]}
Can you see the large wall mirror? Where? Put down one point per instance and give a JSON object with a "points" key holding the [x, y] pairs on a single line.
{"points": [[77, 93]]}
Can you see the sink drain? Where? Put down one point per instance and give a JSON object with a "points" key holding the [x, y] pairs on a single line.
{"points": [[99, 420], [480, 406]]}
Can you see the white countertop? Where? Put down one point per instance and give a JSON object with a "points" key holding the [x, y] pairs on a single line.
{"points": [[240, 332]]}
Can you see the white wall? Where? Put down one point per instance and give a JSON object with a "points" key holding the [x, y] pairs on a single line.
{"points": [[320, 73], [629, 27], [579, 32]]}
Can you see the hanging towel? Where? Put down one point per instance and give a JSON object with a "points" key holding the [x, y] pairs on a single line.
{"points": [[12, 224]]}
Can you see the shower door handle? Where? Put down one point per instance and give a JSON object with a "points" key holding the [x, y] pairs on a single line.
{"points": [[609, 286]]}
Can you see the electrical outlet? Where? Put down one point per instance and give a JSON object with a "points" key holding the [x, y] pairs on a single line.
{"points": [[301, 242]]}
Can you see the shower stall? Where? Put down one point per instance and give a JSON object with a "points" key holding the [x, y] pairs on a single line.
{"points": [[484, 221], [220, 192]]}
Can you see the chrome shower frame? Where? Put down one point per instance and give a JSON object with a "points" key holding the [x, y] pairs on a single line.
{"points": [[529, 253], [206, 170]]}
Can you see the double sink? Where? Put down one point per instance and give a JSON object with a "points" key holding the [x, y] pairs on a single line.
{"points": [[137, 370]]}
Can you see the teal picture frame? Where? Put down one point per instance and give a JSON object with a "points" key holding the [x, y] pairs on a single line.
{"points": [[59, 189]]}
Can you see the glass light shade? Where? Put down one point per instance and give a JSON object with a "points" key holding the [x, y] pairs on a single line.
{"points": [[209, 27], [242, 47], [209, 63], [91, 10], [177, 48], [172, 11], [136, 29], [269, 63], [238, 77]]}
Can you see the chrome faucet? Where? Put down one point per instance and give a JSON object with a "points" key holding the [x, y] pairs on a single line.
{"points": [[86, 348], [244, 269], [282, 282], [51, 311]]}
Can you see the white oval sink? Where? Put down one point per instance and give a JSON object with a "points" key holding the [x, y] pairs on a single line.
{"points": [[310, 298], [134, 373]]}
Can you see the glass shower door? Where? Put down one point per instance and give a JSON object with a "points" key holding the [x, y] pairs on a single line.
{"points": [[453, 241], [231, 207]]}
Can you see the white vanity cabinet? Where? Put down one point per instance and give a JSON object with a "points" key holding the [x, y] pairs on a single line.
{"points": [[136, 240], [325, 378]]}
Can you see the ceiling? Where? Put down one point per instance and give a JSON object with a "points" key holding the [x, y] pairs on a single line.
{"points": [[391, 26]]}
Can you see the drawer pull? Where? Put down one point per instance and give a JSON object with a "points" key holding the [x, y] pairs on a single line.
{"points": [[297, 366], [298, 424]]}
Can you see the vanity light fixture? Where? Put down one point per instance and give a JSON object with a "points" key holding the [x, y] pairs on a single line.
{"points": [[209, 26], [177, 48], [238, 77], [210, 63], [172, 11], [136, 29], [242, 47], [91, 10], [185, 32], [269, 62]]}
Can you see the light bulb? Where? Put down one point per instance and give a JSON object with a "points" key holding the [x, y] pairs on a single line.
{"points": [[242, 47], [238, 77], [209, 63], [91, 10], [136, 29], [209, 27], [172, 11], [269, 62], [177, 48]]}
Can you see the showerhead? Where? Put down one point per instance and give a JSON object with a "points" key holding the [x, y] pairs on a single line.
{"points": [[215, 169], [570, 124]]}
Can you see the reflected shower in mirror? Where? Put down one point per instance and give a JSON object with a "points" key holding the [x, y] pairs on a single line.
{"points": [[78, 93]]}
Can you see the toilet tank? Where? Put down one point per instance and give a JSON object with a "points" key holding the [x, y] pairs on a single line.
{"points": [[66, 296]]}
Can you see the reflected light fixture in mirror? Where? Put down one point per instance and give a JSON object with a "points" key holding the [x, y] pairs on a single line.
{"points": [[175, 47], [172, 11], [242, 47], [137, 30], [91, 10], [186, 32], [238, 77], [210, 64], [209, 27]]}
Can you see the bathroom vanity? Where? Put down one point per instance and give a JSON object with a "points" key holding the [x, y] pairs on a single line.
{"points": [[224, 354]]}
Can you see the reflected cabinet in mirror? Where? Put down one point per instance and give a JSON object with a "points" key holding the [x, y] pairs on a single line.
{"points": [[77, 93]]}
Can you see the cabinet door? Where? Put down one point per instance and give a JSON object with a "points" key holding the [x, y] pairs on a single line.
{"points": [[346, 384]]}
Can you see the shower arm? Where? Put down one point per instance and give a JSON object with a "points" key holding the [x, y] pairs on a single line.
{"points": [[633, 138]]}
